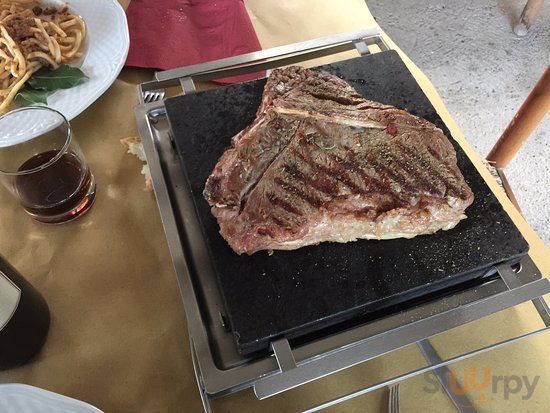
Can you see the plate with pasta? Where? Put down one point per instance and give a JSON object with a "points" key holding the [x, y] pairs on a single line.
{"points": [[64, 54]]}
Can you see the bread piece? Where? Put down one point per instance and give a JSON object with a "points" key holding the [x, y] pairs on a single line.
{"points": [[134, 146]]}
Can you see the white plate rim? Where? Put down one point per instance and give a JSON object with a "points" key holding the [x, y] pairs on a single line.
{"points": [[38, 394]]}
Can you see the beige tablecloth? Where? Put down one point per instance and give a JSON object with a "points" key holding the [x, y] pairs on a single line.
{"points": [[118, 336]]}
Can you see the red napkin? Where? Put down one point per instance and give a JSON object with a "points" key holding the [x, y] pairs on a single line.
{"points": [[167, 34]]}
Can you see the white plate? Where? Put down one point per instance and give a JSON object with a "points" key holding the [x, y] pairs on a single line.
{"points": [[105, 53], [21, 398]]}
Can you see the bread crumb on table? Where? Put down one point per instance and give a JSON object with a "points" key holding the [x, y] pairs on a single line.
{"points": [[133, 146]]}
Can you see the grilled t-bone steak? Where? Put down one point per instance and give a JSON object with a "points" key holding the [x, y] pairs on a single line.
{"points": [[320, 163]]}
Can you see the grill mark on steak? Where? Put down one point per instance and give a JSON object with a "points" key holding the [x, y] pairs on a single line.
{"points": [[420, 178], [335, 173], [278, 222], [428, 172], [320, 185], [371, 182], [455, 172], [375, 185], [434, 153], [311, 199], [293, 172], [344, 171], [390, 176], [375, 182], [427, 164], [281, 203]]}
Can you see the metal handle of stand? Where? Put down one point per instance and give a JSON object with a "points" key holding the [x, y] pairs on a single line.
{"points": [[264, 60], [511, 280]]}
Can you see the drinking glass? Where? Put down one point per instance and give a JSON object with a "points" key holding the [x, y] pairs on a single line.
{"points": [[42, 165]]}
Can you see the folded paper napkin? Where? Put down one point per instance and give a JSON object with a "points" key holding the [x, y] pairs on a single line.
{"points": [[166, 34]]}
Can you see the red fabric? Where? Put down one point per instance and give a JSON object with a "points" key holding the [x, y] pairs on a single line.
{"points": [[167, 34]]}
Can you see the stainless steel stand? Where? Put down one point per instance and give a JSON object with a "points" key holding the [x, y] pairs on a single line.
{"points": [[218, 368]]}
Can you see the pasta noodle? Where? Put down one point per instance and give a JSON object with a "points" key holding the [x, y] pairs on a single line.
{"points": [[32, 37]]}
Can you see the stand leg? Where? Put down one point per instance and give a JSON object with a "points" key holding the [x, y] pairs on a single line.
{"points": [[461, 401], [198, 375]]}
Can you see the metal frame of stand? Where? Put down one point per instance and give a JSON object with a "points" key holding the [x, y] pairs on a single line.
{"points": [[286, 368]]}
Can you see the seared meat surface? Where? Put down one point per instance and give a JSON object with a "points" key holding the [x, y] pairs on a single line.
{"points": [[321, 163]]}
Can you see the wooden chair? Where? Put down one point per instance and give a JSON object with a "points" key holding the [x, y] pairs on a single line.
{"points": [[530, 114]]}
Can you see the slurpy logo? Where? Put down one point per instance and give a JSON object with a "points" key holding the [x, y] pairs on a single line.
{"points": [[481, 385]]}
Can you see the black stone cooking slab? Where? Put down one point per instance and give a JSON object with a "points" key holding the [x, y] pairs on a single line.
{"points": [[293, 293]]}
